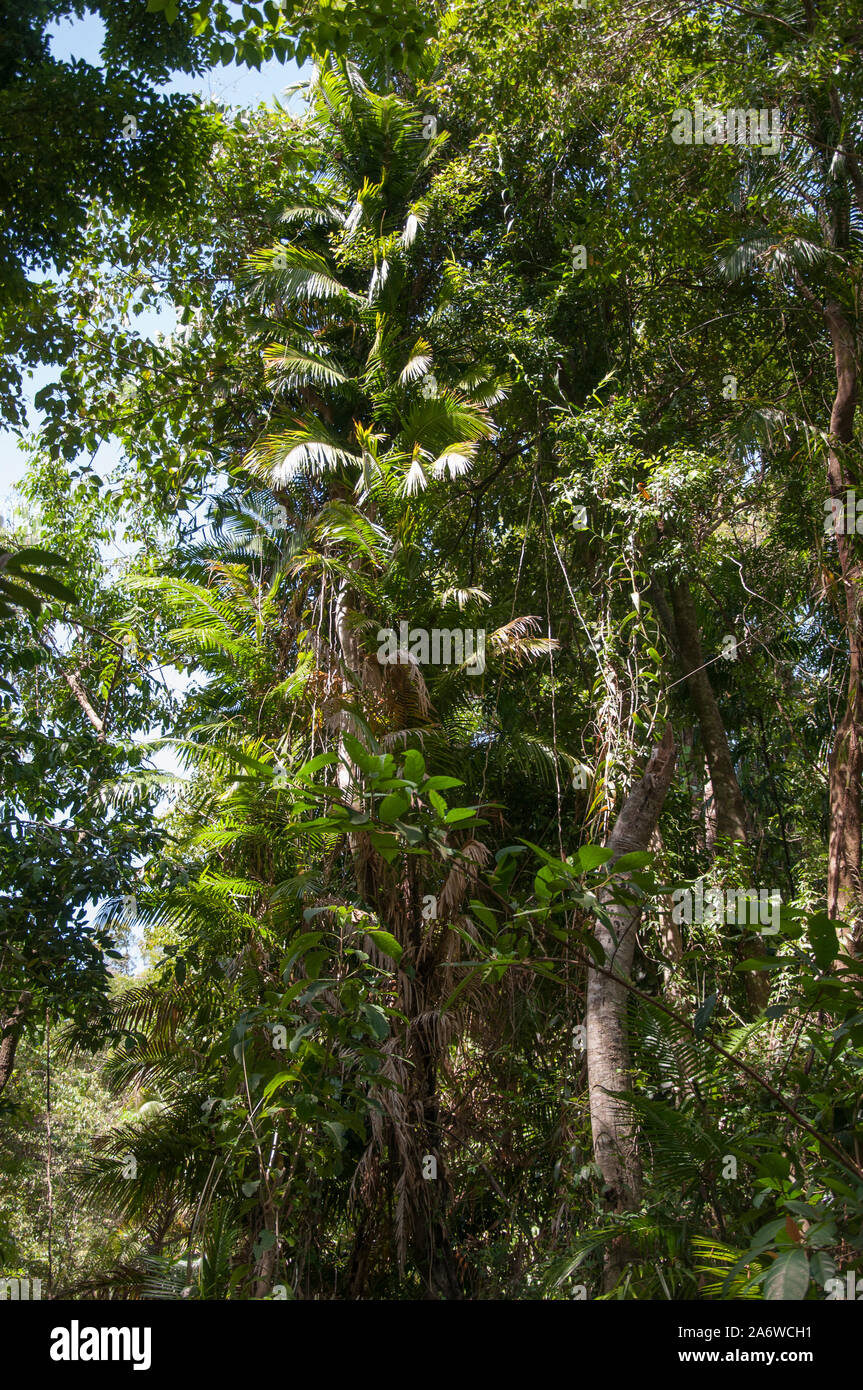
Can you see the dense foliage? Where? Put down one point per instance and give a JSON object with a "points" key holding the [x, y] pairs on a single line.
{"points": [[476, 561]]}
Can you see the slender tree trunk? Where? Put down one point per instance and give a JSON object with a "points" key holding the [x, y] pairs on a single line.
{"points": [[846, 756], [398, 906], [725, 806], [265, 1268], [608, 1057], [10, 1032], [708, 809], [728, 798], [670, 938], [358, 1265], [723, 799], [419, 997]]}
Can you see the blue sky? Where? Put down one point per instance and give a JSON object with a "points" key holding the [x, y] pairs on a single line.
{"points": [[235, 86]]}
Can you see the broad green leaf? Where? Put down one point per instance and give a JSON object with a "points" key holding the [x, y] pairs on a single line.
{"points": [[761, 964], [47, 584], [788, 1276], [386, 943], [275, 1084], [822, 1267], [266, 1240], [377, 1020], [824, 940], [393, 806], [591, 856], [704, 1014], [414, 766], [308, 770], [485, 915], [638, 859], [364, 760]]}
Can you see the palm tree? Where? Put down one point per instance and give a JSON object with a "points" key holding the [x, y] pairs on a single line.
{"points": [[309, 556]]}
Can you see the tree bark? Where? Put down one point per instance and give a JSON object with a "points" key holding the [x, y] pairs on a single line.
{"points": [[10, 1032], [670, 938], [724, 803], [608, 1057], [846, 756], [398, 906], [728, 798]]}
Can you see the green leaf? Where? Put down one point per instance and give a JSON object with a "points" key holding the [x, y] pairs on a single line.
{"points": [[788, 1277], [704, 1014], [761, 964], [386, 942], [16, 593], [283, 1078], [266, 1240], [485, 915], [308, 770], [774, 1165], [591, 856], [393, 806], [371, 764], [47, 584], [386, 845], [415, 766], [301, 1033], [593, 947], [460, 813], [412, 833], [301, 943], [29, 556], [337, 1131], [822, 1267], [377, 1020], [638, 859], [824, 940]]}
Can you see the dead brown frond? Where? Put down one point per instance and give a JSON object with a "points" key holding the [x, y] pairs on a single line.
{"points": [[461, 877]]}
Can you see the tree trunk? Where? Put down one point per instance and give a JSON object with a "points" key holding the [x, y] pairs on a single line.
{"points": [[670, 938], [730, 808], [10, 1032], [266, 1264], [422, 1200], [608, 1060], [846, 756], [430, 1237], [725, 807]]}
